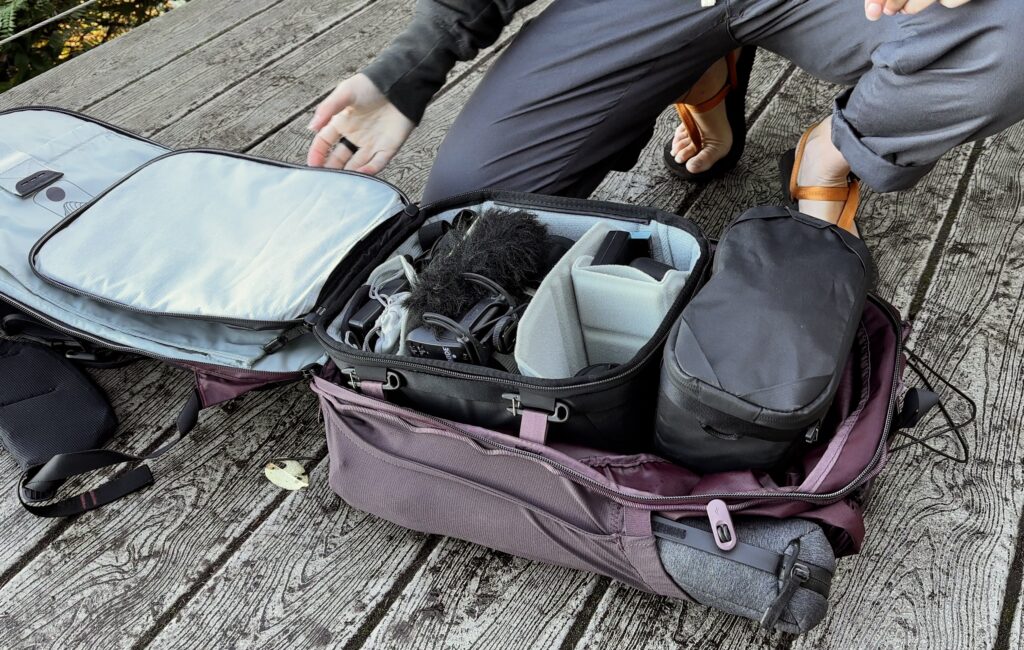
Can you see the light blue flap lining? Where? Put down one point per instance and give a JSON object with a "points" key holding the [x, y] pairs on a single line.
{"points": [[212, 235], [92, 158]]}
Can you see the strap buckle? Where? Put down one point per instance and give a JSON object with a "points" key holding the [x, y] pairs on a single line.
{"points": [[391, 379], [558, 414]]}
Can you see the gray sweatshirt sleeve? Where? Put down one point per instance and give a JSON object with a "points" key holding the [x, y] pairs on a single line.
{"points": [[442, 33]]}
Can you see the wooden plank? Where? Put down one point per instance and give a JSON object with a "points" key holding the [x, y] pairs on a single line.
{"points": [[118, 570], [469, 597], [900, 231], [145, 397], [942, 535], [104, 71], [627, 618], [161, 100], [261, 104], [310, 574]]}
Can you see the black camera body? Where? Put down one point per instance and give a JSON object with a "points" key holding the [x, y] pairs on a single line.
{"points": [[468, 340]]}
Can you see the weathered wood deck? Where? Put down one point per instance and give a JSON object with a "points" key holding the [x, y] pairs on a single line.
{"points": [[215, 556]]}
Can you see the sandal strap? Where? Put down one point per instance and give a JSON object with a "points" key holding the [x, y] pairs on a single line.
{"points": [[686, 111], [690, 125], [846, 219], [849, 195]]}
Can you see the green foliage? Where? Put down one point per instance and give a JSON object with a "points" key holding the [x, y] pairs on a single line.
{"points": [[36, 53]]}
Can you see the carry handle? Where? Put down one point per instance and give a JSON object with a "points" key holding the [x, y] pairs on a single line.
{"points": [[40, 482]]}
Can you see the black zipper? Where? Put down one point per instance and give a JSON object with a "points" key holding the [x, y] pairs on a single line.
{"points": [[234, 322], [753, 497], [79, 334]]}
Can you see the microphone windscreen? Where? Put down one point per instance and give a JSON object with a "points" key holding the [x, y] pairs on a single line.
{"points": [[509, 247]]}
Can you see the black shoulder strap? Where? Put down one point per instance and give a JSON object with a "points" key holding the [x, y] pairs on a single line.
{"points": [[40, 482]]}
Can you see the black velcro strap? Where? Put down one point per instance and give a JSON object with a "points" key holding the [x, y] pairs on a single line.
{"points": [[125, 484], [40, 482]]}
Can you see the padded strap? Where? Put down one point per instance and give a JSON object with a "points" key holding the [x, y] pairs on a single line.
{"points": [[41, 481]]}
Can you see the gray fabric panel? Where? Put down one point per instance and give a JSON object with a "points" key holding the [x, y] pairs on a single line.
{"points": [[92, 158], [620, 308], [550, 342], [745, 591], [213, 235]]}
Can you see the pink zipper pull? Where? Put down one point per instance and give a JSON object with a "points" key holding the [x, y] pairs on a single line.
{"points": [[721, 525]]}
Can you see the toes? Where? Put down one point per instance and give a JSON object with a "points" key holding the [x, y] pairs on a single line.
{"points": [[700, 162], [686, 153], [679, 143]]}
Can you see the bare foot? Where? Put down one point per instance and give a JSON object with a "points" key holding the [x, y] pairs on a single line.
{"points": [[715, 131], [823, 166]]}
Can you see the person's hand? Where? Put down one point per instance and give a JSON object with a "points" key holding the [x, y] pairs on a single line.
{"points": [[874, 9], [361, 114]]}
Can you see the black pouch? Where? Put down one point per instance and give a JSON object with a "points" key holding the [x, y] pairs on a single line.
{"points": [[753, 364], [48, 407]]}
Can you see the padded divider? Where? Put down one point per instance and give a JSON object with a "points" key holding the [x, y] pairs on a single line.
{"points": [[620, 307], [550, 343], [216, 236]]}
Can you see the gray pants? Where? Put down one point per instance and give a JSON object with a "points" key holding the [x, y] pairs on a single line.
{"points": [[578, 91]]}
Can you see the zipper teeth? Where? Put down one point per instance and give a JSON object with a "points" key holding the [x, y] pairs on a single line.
{"points": [[60, 327], [754, 497], [254, 325]]}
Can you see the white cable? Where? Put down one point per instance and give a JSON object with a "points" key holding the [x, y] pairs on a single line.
{"points": [[46, 22]]}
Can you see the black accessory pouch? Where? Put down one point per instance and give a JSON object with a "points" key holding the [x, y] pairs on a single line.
{"points": [[752, 366], [48, 407]]}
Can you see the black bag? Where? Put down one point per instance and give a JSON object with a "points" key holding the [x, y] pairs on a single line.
{"points": [[611, 409], [752, 366], [48, 407]]}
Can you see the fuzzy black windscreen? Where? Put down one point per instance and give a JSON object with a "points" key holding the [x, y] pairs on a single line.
{"points": [[506, 246]]}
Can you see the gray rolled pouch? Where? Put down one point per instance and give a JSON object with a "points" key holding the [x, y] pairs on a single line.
{"points": [[779, 573]]}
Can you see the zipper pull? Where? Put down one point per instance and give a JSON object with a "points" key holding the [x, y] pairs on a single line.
{"points": [[721, 525], [812, 434], [284, 338], [313, 317], [793, 575]]}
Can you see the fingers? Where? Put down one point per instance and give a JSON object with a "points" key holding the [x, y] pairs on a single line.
{"points": [[952, 4], [341, 98], [377, 163], [893, 7], [320, 150], [339, 158], [875, 9]]}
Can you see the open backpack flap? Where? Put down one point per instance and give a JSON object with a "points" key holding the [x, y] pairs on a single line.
{"points": [[605, 438], [105, 234]]}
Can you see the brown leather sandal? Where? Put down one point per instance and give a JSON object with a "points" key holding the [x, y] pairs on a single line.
{"points": [[734, 93], [849, 195]]}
